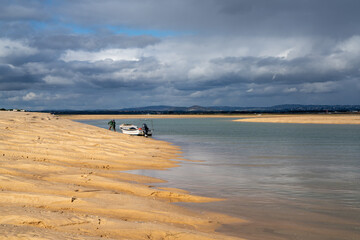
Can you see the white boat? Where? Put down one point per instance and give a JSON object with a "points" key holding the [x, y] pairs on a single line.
{"points": [[134, 130]]}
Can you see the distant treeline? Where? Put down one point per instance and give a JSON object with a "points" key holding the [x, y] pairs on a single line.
{"points": [[288, 108], [12, 110]]}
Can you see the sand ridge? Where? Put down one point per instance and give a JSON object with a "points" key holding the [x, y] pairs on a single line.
{"points": [[303, 118], [61, 179]]}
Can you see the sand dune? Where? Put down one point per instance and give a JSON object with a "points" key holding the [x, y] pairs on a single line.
{"points": [[62, 180]]}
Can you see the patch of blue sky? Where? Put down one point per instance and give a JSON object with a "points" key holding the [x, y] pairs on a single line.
{"points": [[38, 25], [78, 29], [138, 32], [49, 2], [74, 28]]}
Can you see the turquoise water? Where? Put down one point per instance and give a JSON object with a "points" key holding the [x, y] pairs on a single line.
{"points": [[292, 181]]}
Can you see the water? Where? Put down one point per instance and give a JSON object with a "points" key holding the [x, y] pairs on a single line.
{"points": [[291, 181]]}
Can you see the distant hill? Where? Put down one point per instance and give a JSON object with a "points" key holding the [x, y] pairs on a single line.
{"points": [[163, 109]]}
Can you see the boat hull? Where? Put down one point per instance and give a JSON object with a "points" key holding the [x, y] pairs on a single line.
{"points": [[136, 132], [133, 130]]}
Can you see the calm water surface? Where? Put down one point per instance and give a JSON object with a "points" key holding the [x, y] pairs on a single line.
{"points": [[291, 181]]}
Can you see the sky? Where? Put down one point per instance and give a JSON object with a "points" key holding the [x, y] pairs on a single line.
{"points": [[113, 54]]}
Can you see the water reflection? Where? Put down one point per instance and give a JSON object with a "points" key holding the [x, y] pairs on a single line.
{"points": [[294, 181]]}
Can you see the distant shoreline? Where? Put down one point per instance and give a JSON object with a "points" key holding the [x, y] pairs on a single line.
{"points": [[347, 118], [150, 116]]}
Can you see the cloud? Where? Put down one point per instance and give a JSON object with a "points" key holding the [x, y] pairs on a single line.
{"points": [[30, 96], [351, 45], [108, 54], [90, 42], [319, 87], [290, 90], [55, 80], [198, 77], [83, 54], [22, 10], [15, 78], [10, 48], [244, 17]]}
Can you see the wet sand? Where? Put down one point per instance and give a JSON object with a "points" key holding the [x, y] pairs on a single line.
{"points": [[61, 179]]}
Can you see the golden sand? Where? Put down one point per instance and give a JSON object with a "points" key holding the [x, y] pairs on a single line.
{"points": [[61, 179], [303, 118]]}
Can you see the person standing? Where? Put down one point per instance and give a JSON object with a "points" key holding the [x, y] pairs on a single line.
{"points": [[146, 130], [112, 125]]}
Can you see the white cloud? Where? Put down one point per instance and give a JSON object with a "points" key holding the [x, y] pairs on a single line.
{"points": [[131, 54], [262, 90], [285, 53], [250, 90], [290, 90], [30, 96], [351, 45]]}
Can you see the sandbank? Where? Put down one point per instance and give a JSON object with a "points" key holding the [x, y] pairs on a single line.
{"points": [[269, 118], [303, 118], [61, 179]]}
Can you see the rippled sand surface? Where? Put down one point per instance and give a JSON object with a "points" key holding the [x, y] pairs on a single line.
{"points": [[62, 180]]}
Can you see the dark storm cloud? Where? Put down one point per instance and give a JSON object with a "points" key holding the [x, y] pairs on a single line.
{"points": [[279, 70], [330, 17], [318, 72], [263, 17], [130, 75], [228, 79], [12, 78]]}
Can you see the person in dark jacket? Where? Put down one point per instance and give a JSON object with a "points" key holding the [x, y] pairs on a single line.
{"points": [[112, 125], [146, 130]]}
